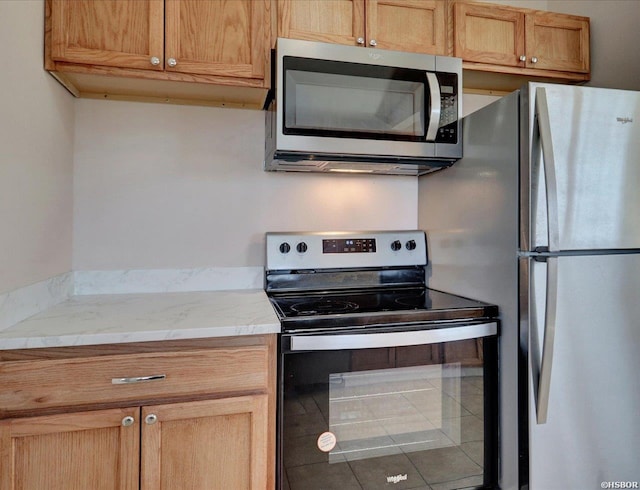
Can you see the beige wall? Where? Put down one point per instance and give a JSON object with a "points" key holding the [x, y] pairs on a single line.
{"points": [[36, 154], [161, 186]]}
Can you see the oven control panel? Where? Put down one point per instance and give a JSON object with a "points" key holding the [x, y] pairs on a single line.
{"points": [[317, 250], [348, 245]]}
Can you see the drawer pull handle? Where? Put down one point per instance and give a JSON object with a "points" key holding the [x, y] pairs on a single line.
{"points": [[137, 379]]}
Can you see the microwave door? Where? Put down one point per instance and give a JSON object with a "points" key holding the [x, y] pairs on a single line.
{"points": [[435, 107]]}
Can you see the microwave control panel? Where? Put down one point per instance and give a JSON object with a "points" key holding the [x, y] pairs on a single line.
{"points": [[448, 127]]}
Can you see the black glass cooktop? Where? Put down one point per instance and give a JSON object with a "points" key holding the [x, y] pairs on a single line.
{"points": [[376, 306]]}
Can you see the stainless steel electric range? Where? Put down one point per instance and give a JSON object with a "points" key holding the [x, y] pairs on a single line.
{"points": [[382, 381]]}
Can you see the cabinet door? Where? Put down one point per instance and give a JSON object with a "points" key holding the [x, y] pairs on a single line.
{"points": [[206, 445], [71, 451], [122, 33], [332, 21], [217, 37], [557, 42], [417, 26], [488, 34]]}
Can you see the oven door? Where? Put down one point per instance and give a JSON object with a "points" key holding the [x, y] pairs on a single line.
{"points": [[400, 409]]}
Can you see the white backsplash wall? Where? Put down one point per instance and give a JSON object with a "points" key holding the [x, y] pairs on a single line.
{"points": [[166, 186], [36, 155]]}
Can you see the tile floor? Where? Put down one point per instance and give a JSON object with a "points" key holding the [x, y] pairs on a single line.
{"points": [[422, 425]]}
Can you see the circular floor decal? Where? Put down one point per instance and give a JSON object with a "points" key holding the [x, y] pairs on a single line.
{"points": [[326, 441]]}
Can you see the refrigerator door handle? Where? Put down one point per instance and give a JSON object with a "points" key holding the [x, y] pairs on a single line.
{"points": [[542, 373], [543, 128]]}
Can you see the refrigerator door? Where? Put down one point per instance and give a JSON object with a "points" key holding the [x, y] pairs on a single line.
{"points": [[591, 434], [584, 192]]}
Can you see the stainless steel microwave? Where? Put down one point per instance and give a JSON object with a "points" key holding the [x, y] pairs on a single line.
{"points": [[355, 109]]}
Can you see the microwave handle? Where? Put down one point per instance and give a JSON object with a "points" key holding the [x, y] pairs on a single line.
{"points": [[434, 116]]}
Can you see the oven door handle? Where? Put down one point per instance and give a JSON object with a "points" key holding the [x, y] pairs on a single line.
{"points": [[391, 339]]}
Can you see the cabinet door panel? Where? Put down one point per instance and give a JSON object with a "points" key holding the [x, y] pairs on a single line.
{"points": [[416, 26], [333, 21], [558, 42], [488, 34], [74, 450], [217, 37], [123, 33], [207, 444]]}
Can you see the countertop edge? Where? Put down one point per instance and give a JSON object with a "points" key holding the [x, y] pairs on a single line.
{"points": [[147, 317]]}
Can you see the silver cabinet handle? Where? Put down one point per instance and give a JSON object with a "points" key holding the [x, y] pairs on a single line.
{"points": [[172, 62], [373, 43], [137, 379], [360, 40], [151, 419], [534, 59], [128, 421], [523, 57], [155, 61]]}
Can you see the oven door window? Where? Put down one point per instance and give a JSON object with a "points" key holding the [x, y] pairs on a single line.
{"points": [[403, 416], [350, 100]]}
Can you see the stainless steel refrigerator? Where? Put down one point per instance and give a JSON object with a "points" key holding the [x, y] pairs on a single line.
{"points": [[542, 217]]}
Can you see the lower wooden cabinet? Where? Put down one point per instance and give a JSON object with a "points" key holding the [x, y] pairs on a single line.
{"points": [[222, 439], [71, 451], [205, 445]]}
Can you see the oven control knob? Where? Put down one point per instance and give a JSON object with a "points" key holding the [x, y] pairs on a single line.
{"points": [[411, 245], [301, 247], [285, 247], [396, 245]]}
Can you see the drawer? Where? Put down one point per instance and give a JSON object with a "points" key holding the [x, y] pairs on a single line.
{"points": [[29, 385]]}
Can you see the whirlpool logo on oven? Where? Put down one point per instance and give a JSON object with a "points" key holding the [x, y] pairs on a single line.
{"points": [[396, 478]]}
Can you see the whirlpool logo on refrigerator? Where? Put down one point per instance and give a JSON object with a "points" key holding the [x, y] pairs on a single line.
{"points": [[624, 120]]}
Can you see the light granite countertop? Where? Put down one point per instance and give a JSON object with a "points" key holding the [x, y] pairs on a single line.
{"points": [[141, 317]]}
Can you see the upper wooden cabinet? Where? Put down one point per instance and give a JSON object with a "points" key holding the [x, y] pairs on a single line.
{"points": [[125, 34], [417, 26], [217, 37], [521, 41], [557, 42], [201, 49]]}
